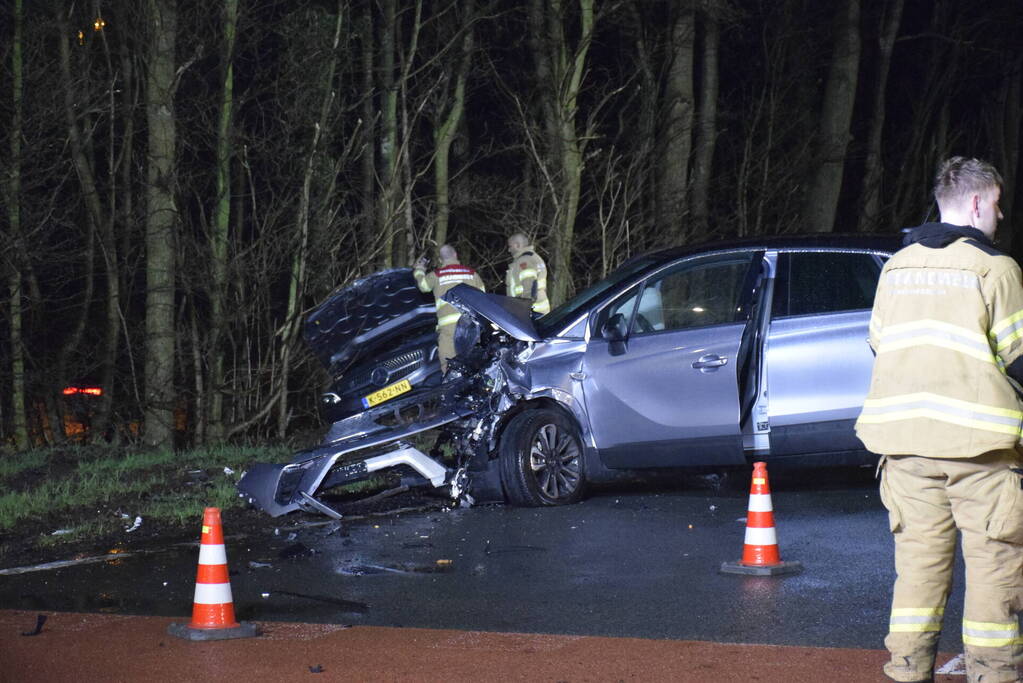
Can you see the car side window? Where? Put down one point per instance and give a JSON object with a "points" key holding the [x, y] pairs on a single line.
{"points": [[624, 305], [824, 282], [692, 295]]}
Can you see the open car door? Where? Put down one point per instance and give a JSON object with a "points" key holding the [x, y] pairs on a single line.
{"points": [[661, 370]]}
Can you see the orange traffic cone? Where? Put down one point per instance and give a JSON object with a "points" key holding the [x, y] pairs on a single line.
{"points": [[213, 606], [760, 555]]}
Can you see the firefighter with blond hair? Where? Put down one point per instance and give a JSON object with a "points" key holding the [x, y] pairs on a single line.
{"points": [[944, 410], [527, 274]]}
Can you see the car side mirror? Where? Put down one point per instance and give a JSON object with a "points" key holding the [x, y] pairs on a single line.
{"points": [[615, 329]]}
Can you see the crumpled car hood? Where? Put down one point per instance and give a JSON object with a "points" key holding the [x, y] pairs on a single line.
{"points": [[511, 314], [356, 318]]}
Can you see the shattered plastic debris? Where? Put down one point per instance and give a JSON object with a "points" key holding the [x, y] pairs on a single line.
{"points": [[60, 532], [135, 525], [228, 471]]}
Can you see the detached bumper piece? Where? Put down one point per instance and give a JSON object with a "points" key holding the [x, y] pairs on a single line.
{"points": [[355, 447], [280, 489]]}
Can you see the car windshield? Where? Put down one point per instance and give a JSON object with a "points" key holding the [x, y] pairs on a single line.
{"points": [[570, 310]]}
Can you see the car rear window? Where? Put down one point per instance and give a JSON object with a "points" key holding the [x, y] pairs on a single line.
{"points": [[824, 282]]}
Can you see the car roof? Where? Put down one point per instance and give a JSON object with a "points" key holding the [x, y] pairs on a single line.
{"points": [[887, 242]]}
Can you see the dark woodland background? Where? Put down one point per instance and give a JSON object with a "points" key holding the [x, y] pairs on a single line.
{"points": [[184, 179]]}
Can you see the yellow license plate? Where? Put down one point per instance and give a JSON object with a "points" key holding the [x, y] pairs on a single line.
{"points": [[387, 393]]}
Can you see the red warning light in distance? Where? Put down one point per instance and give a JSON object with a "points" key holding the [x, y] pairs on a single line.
{"points": [[92, 391]]}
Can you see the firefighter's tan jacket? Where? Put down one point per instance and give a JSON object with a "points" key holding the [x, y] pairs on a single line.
{"points": [[947, 324], [440, 281], [527, 277]]}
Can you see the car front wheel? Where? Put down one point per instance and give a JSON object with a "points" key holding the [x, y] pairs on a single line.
{"points": [[541, 459]]}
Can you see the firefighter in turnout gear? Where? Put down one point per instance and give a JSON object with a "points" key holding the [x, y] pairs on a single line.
{"points": [[527, 274], [439, 281], [945, 412]]}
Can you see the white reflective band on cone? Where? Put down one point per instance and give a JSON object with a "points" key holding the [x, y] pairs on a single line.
{"points": [[760, 536], [212, 593], [760, 502], [212, 554]]}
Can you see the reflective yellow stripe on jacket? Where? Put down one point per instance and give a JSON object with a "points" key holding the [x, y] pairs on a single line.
{"points": [[991, 634], [936, 333], [1006, 331], [915, 619], [446, 313], [943, 409]]}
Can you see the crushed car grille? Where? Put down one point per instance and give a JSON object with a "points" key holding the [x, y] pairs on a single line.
{"points": [[394, 369]]}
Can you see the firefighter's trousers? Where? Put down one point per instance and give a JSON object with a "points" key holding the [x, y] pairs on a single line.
{"points": [[927, 500], [446, 344]]}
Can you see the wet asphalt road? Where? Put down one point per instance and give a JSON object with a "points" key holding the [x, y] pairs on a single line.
{"points": [[630, 560]]}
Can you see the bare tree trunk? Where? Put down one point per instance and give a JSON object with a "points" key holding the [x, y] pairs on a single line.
{"points": [[821, 201], [18, 421], [389, 143], [647, 134], [565, 66], [19, 426], [444, 132], [920, 153], [677, 130], [404, 253], [13, 201], [369, 127], [706, 132], [296, 289], [161, 223], [219, 239], [108, 234], [870, 204]]}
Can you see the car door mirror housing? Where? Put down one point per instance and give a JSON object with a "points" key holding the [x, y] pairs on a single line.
{"points": [[615, 329]]}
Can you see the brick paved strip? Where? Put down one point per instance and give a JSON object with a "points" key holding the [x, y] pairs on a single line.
{"points": [[103, 647]]}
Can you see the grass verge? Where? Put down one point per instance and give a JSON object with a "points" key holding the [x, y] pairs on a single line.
{"points": [[69, 495]]}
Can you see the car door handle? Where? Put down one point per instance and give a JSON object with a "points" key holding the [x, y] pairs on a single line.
{"points": [[710, 361]]}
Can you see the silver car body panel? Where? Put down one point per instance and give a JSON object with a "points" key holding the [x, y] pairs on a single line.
{"points": [[649, 407], [710, 395], [554, 367]]}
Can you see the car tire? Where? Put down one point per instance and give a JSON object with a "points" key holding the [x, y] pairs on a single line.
{"points": [[541, 460]]}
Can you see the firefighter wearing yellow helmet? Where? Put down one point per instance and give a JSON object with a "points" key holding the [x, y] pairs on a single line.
{"points": [[944, 410], [527, 274], [439, 281]]}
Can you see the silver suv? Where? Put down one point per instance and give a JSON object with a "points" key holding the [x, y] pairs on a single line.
{"points": [[705, 356]]}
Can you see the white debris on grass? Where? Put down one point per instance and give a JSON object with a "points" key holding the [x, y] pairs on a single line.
{"points": [[228, 471], [61, 532], [135, 525]]}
